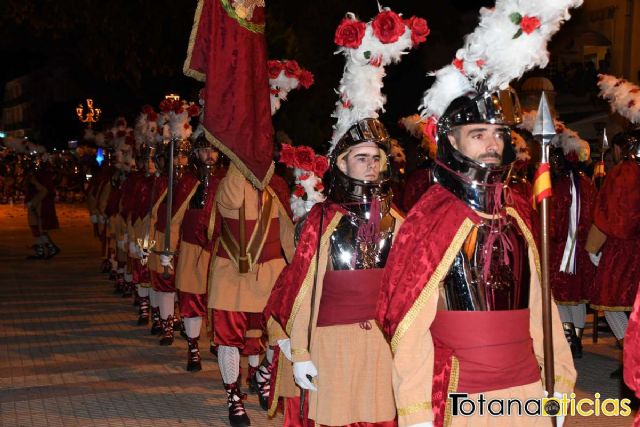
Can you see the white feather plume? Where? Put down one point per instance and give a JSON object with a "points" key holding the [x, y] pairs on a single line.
{"points": [[623, 96], [360, 90], [501, 48], [414, 125]]}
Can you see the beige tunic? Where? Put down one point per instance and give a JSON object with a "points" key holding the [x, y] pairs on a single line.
{"points": [[414, 357], [231, 290], [354, 364]]}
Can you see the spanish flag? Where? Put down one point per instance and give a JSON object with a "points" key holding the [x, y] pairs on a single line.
{"points": [[598, 170], [542, 183]]}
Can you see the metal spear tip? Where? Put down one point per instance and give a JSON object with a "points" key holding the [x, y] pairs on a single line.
{"points": [[544, 125], [605, 141]]}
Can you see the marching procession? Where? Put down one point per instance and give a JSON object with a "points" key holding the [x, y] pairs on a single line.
{"points": [[356, 292]]}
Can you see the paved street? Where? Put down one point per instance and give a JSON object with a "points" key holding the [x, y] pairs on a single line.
{"points": [[71, 354]]}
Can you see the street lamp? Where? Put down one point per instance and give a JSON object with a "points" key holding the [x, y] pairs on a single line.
{"points": [[92, 115]]}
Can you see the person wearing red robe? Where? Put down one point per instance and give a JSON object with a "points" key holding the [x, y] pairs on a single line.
{"points": [[199, 231], [128, 205], [148, 192], [325, 299], [614, 240], [40, 195], [461, 297], [571, 270], [161, 265], [418, 182]]}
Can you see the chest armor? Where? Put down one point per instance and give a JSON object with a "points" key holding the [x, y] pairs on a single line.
{"points": [[507, 284], [348, 252]]}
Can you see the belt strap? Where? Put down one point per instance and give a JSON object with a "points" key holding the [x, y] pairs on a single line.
{"points": [[245, 262]]}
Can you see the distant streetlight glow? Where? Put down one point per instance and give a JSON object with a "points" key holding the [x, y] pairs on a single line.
{"points": [[92, 115]]}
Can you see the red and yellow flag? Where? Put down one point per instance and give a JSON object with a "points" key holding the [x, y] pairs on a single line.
{"points": [[542, 183], [227, 51], [598, 170]]}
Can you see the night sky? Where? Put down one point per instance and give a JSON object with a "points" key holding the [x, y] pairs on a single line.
{"points": [[126, 53]]}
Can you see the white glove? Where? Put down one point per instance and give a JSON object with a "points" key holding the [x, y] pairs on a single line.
{"points": [[121, 244], [300, 372], [133, 250], [93, 219], [166, 260], [595, 259], [424, 424], [285, 348]]}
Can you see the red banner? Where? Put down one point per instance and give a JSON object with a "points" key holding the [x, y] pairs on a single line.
{"points": [[227, 50]]}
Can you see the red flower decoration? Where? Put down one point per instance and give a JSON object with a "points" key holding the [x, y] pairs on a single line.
{"points": [[305, 78], [166, 105], [304, 158], [320, 166], [631, 103], [287, 155], [186, 126], [193, 110], [388, 26], [304, 176], [299, 191], [291, 68], [202, 93], [459, 64], [275, 67], [319, 187], [431, 128], [350, 33], [419, 29], [178, 107], [528, 24], [480, 63]]}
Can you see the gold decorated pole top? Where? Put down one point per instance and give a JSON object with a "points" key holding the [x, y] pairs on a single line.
{"points": [[91, 116]]}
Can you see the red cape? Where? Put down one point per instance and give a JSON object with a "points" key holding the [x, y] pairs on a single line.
{"points": [[197, 222], [229, 54], [129, 197], [289, 282], [617, 214], [417, 184], [48, 217], [570, 288], [423, 250], [181, 191]]}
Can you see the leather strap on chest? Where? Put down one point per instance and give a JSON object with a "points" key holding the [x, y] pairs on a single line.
{"points": [[245, 255]]}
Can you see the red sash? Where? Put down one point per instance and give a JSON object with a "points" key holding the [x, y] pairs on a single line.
{"points": [[349, 296], [494, 350]]}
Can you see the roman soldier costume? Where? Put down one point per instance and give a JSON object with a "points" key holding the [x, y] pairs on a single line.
{"points": [[327, 296], [198, 232], [461, 294]]}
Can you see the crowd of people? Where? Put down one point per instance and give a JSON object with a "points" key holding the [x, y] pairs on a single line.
{"points": [[70, 169], [358, 295]]}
